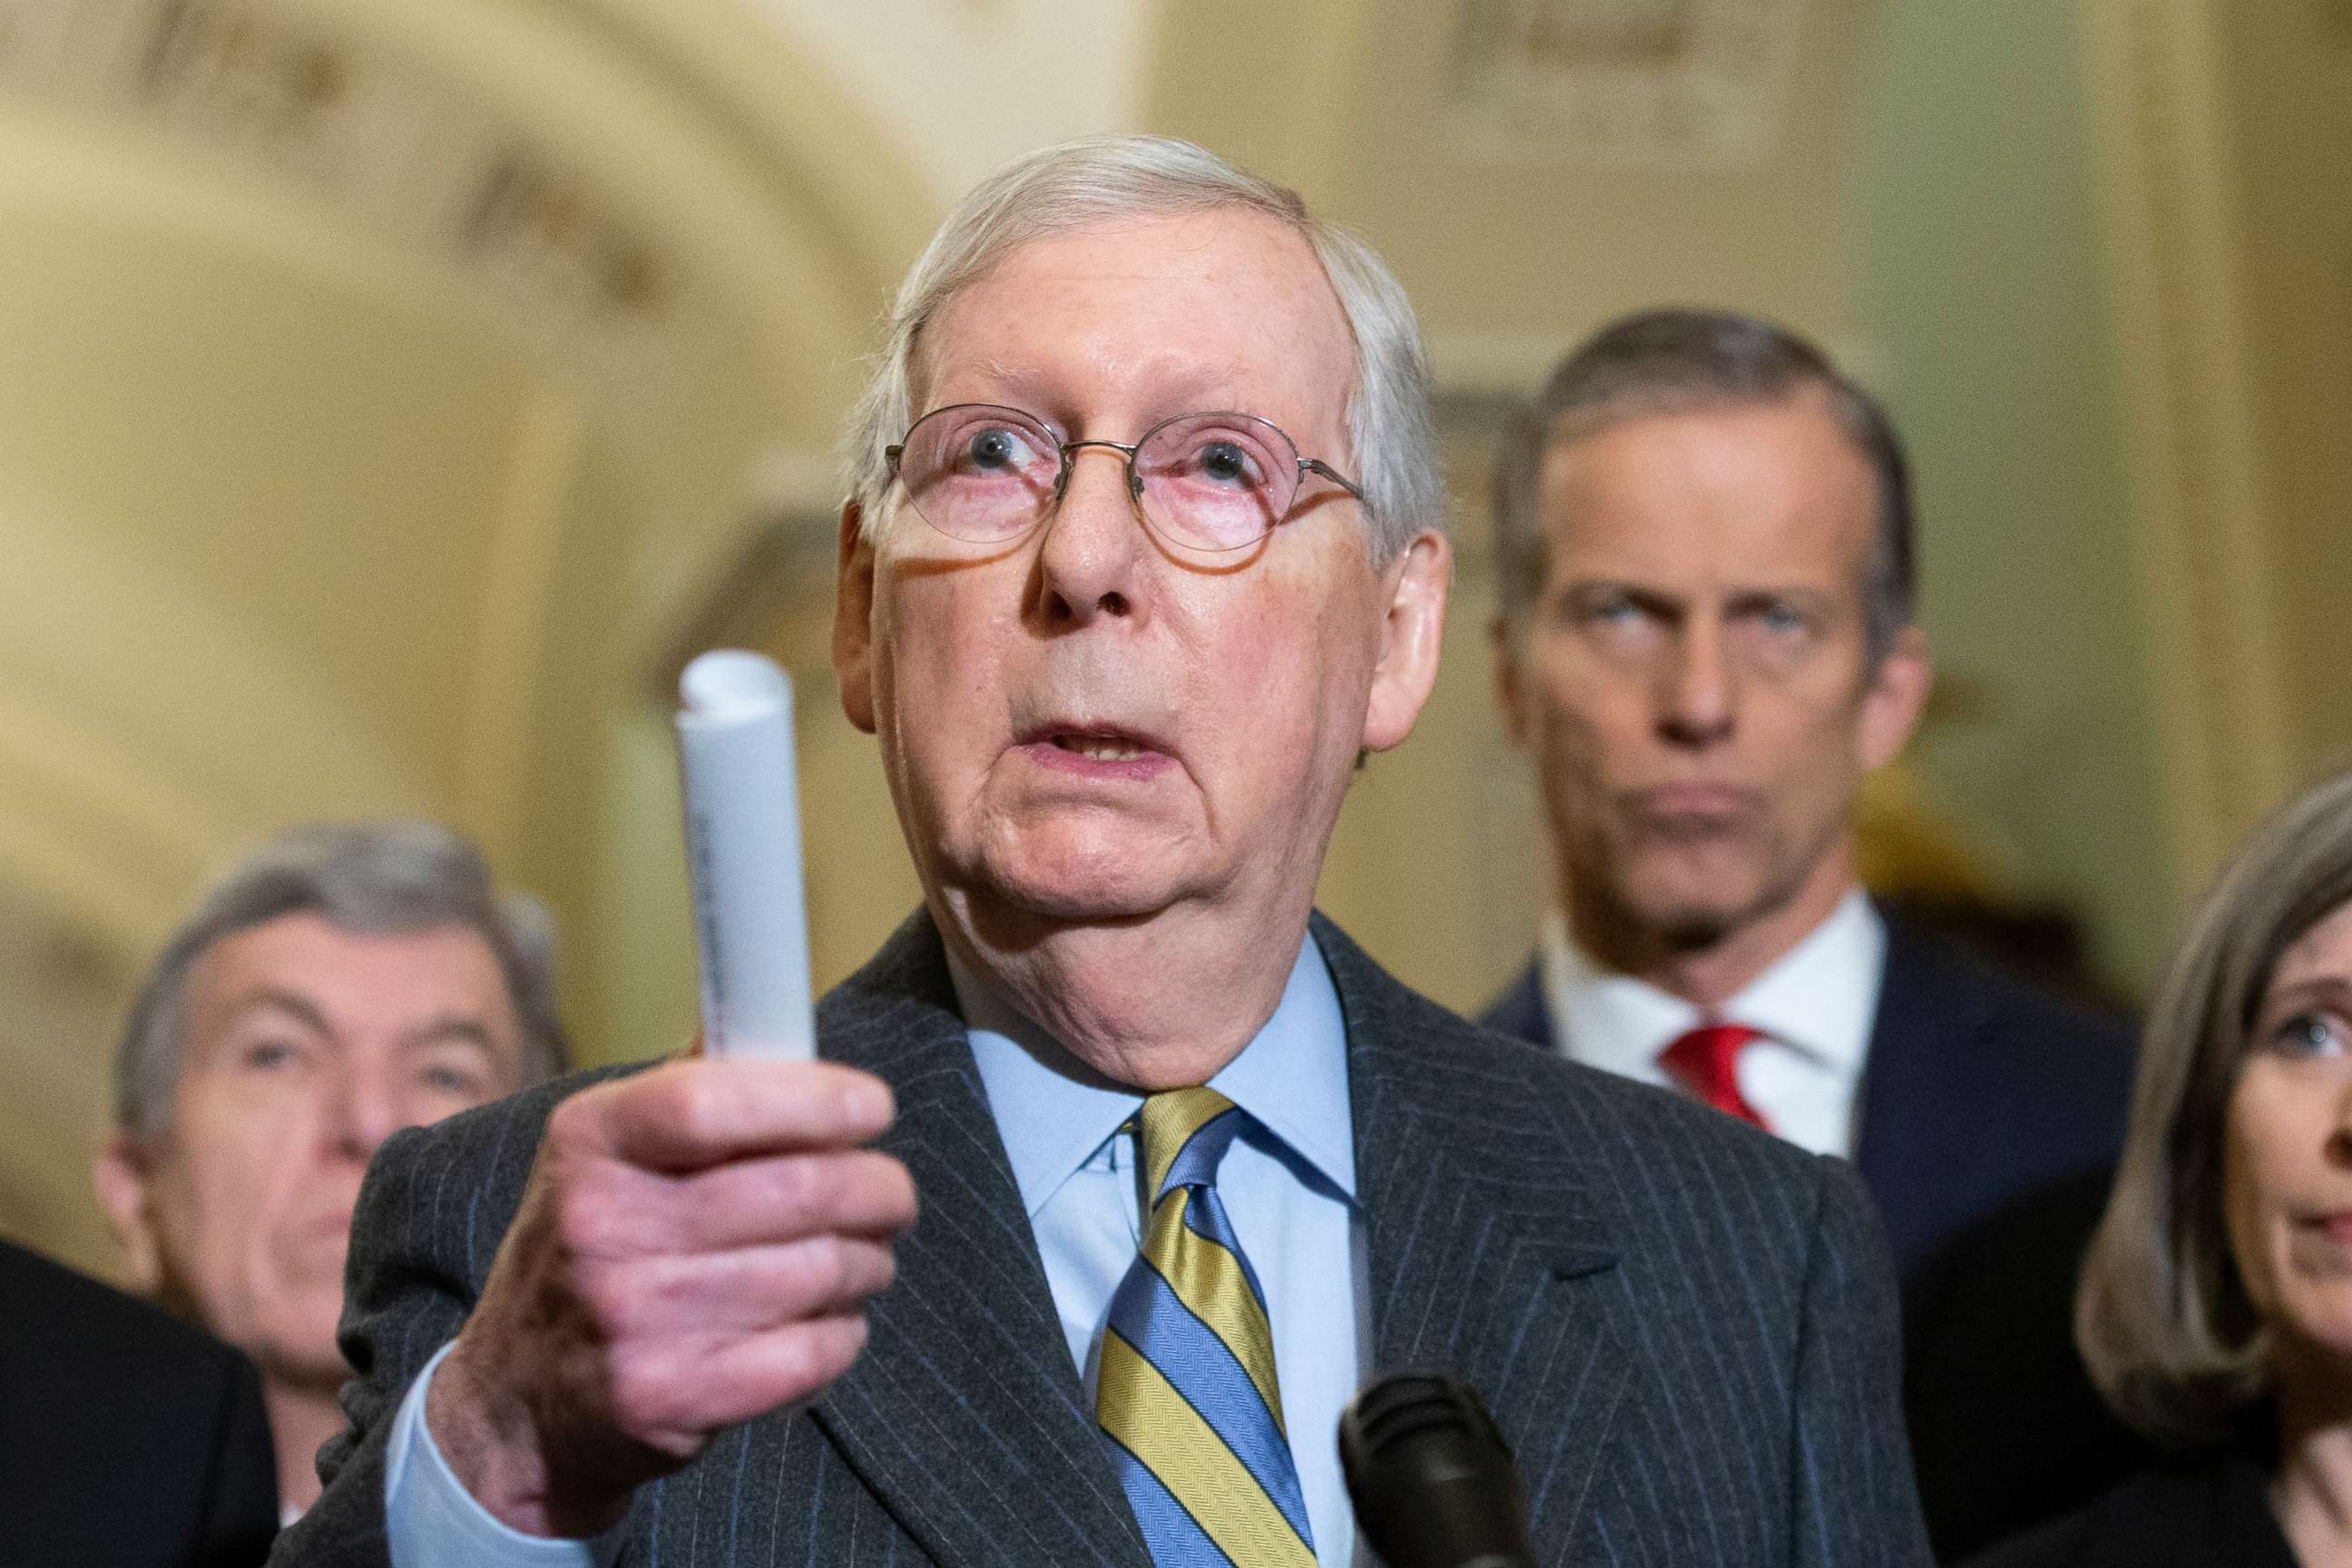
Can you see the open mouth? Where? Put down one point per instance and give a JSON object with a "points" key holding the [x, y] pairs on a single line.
{"points": [[1091, 749], [1101, 748]]}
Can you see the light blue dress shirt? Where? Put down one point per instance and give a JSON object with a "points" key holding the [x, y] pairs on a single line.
{"points": [[1289, 1184]]}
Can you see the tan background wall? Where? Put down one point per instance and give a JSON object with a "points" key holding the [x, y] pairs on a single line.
{"points": [[1981, 275], [2286, 78], [396, 392]]}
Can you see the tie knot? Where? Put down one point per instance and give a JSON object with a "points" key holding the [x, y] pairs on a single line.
{"points": [[1185, 1132], [1705, 1061]]}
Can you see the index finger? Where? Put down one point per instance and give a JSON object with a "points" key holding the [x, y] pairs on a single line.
{"points": [[689, 1115]]}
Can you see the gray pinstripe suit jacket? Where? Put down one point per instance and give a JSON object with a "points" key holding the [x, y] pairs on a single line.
{"points": [[1685, 1328]]}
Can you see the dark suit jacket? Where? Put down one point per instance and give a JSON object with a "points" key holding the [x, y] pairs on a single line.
{"points": [[1992, 1114], [127, 1437], [2196, 1515], [1686, 1330]]}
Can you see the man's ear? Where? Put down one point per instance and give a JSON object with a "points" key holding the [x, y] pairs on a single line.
{"points": [[1412, 633], [1896, 696], [125, 1191], [853, 620]]}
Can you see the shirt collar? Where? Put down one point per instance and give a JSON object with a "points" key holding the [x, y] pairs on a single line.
{"points": [[1821, 996], [1818, 998], [1053, 1111], [1606, 1019]]}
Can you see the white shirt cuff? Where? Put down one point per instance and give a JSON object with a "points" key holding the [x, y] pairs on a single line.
{"points": [[430, 1518]]}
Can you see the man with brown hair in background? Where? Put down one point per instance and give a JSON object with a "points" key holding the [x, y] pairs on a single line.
{"points": [[1706, 639]]}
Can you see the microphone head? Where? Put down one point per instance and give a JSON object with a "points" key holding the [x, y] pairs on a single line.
{"points": [[1432, 1479]]}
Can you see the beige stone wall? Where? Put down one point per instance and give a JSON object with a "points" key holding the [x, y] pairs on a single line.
{"points": [[2225, 128], [385, 445], [2287, 77]]}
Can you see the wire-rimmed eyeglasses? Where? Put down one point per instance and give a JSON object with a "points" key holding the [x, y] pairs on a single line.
{"points": [[1213, 482]]}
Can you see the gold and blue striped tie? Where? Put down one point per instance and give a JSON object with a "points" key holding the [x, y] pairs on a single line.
{"points": [[1186, 1396]]}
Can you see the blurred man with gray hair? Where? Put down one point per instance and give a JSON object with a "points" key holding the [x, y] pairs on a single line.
{"points": [[340, 983]]}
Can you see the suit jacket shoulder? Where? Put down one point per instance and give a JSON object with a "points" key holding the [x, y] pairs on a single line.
{"points": [[1980, 1088], [1977, 1087], [1686, 1327], [960, 1437], [1519, 1011], [126, 1436], [1992, 1115], [2181, 1515]]}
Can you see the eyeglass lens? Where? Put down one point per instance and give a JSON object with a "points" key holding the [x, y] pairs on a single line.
{"points": [[1212, 482]]}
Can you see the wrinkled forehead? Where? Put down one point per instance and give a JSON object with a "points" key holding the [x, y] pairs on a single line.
{"points": [[304, 968], [1207, 308], [1770, 487]]}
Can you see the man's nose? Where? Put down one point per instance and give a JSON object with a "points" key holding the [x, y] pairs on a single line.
{"points": [[360, 1110], [1699, 685], [1090, 561]]}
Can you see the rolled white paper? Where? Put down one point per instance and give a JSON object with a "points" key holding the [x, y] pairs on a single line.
{"points": [[743, 855]]}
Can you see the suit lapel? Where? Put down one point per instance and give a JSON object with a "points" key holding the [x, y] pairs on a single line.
{"points": [[1919, 1082], [1487, 1258], [1520, 1012], [965, 1416]]}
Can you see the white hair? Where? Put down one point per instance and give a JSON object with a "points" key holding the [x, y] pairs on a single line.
{"points": [[1098, 180]]}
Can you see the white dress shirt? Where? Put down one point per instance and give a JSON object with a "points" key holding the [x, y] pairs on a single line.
{"points": [[1813, 1008]]}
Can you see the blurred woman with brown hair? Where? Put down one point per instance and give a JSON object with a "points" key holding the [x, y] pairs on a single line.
{"points": [[2216, 1307]]}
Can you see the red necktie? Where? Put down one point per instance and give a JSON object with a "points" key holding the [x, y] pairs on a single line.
{"points": [[1705, 1061]]}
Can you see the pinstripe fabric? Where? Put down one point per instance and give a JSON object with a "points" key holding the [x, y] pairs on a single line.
{"points": [[1685, 1328], [1187, 1394]]}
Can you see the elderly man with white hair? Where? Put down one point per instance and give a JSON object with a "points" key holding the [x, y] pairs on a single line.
{"points": [[1143, 553]]}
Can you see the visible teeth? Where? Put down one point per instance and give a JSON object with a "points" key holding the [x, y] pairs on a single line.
{"points": [[1098, 751]]}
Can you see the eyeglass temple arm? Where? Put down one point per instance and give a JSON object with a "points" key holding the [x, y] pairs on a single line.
{"points": [[1316, 465]]}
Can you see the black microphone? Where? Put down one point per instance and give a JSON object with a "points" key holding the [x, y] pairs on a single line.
{"points": [[1430, 1477]]}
